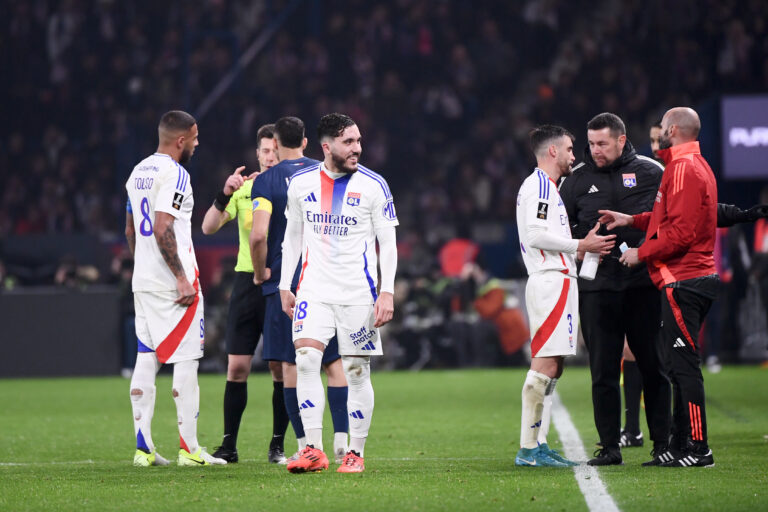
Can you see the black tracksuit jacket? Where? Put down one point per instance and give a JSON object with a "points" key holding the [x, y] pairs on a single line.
{"points": [[628, 185]]}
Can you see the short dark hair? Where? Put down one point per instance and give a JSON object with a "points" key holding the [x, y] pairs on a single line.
{"points": [[289, 132], [265, 132], [176, 121], [333, 125], [610, 121], [656, 124], [542, 136]]}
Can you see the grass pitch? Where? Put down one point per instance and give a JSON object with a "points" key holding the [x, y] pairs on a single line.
{"points": [[441, 440]]}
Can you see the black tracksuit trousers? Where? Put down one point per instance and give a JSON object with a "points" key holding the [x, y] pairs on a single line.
{"points": [[606, 318], [683, 307]]}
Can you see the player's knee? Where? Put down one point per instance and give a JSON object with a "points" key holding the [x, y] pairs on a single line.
{"points": [[308, 361], [357, 369], [237, 373], [136, 394]]}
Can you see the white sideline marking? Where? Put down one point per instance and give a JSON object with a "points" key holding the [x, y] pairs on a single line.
{"points": [[592, 487], [89, 461]]}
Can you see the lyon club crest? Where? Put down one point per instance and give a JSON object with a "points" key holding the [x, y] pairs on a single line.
{"points": [[353, 198]]}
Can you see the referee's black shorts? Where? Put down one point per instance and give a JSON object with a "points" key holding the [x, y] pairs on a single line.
{"points": [[245, 319]]}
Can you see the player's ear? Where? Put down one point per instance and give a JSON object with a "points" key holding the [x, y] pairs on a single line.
{"points": [[552, 151], [304, 144]]}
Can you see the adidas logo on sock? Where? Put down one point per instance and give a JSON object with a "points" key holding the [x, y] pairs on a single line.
{"points": [[679, 343], [310, 198], [592, 190], [358, 415], [306, 404], [368, 346]]}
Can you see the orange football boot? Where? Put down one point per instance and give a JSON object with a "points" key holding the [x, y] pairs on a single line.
{"points": [[352, 463], [310, 460]]}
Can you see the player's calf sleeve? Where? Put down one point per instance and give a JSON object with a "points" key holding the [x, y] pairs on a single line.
{"points": [[186, 394], [534, 389], [143, 399], [546, 412], [292, 408], [310, 393], [361, 399]]}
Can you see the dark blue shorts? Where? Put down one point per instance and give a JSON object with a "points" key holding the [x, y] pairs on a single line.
{"points": [[278, 340]]}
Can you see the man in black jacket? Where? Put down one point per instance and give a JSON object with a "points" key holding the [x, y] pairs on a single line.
{"points": [[620, 302]]}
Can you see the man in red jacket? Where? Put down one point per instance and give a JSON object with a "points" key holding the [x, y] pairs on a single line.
{"points": [[678, 249]]}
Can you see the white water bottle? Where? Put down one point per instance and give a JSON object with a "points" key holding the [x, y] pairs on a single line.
{"points": [[589, 266]]}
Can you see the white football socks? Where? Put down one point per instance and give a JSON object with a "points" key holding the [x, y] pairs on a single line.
{"points": [[310, 393], [360, 401], [534, 388], [143, 398], [186, 394], [546, 412]]}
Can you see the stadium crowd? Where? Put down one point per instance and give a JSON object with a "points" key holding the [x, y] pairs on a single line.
{"points": [[445, 93]]}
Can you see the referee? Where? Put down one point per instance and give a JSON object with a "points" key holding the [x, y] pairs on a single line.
{"points": [[620, 302], [245, 319]]}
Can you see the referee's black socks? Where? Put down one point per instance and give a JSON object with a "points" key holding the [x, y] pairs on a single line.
{"points": [[279, 417], [235, 400]]}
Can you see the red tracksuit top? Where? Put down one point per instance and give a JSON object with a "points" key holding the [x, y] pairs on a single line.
{"points": [[680, 231]]}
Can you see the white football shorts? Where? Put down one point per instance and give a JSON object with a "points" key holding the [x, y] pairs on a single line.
{"points": [[353, 325], [175, 333], [552, 301]]}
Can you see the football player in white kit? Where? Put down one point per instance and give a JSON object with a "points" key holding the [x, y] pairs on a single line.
{"points": [[551, 294], [343, 209], [166, 290]]}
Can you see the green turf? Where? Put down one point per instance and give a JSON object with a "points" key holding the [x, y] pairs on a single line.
{"points": [[440, 441]]}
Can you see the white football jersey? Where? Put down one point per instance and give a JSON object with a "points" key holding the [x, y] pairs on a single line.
{"points": [[160, 184], [539, 204], [339, 216]]}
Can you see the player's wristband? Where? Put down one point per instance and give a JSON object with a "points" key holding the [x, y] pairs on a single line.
{"points": [[221, 201]]}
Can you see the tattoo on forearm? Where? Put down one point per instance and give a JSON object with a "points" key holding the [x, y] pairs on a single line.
{"points": [[168, 248]]}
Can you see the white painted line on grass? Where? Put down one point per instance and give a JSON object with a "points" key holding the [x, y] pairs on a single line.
{"points": [[592, 487], [60, 463]]}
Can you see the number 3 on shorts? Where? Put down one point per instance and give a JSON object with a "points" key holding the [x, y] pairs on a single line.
{"points": [[301, 310]]}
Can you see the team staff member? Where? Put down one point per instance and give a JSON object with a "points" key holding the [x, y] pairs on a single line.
{"points": [[678, 249], [620, 302], [245, 318]]}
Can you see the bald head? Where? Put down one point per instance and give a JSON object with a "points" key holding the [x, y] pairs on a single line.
{"points": [[686, 120]]}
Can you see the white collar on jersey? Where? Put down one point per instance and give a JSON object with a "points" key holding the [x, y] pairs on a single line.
{"points": [[334, 175]]}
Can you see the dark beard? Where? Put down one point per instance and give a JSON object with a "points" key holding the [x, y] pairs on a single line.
{"points": [[185, 157], [340, 164], [664, 142]]}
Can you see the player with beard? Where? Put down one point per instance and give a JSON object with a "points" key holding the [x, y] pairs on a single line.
{"points": [[167, 295], [336, 212], [268, 196], [551, 294]]}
